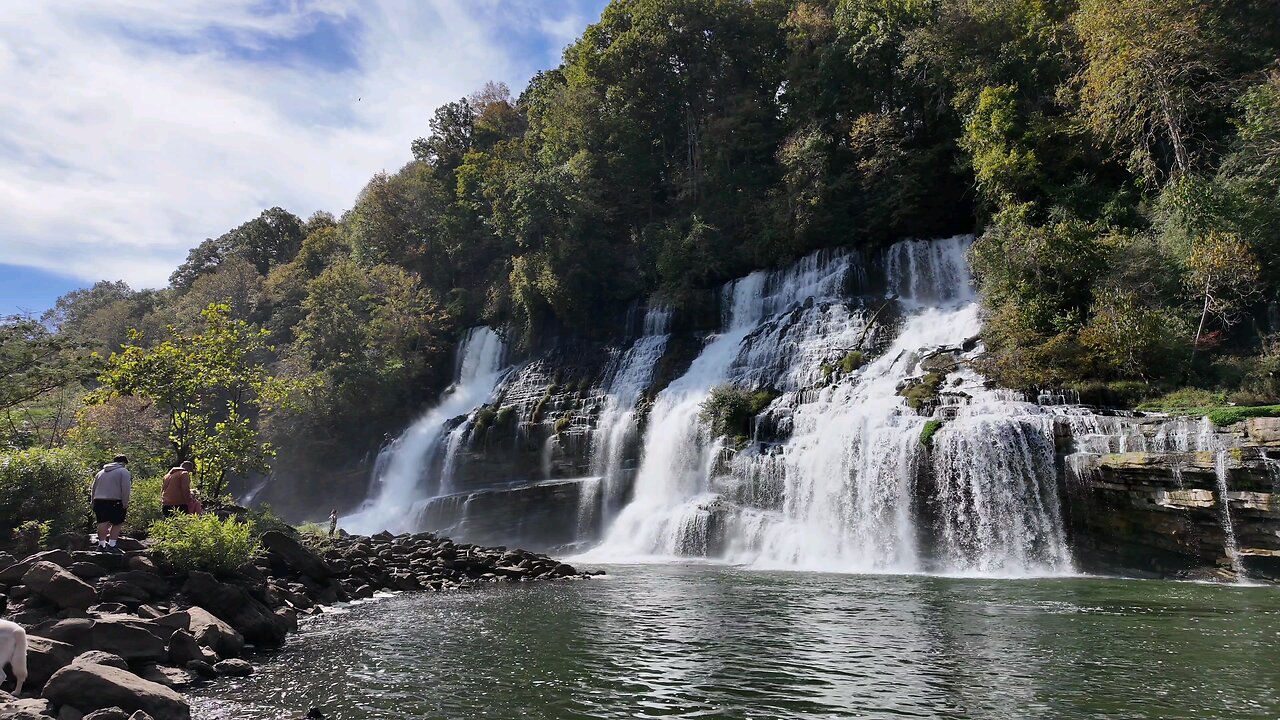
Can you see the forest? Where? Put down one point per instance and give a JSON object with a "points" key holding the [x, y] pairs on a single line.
{"points": [[1119, 161]]}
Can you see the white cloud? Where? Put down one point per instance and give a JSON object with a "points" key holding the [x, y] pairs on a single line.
{"points": [[133, 129]]}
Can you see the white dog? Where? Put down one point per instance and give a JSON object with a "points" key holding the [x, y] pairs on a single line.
{"points": [[13, 652]]}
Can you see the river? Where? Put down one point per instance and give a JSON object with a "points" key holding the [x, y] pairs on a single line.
{"points": [[710, 641]]}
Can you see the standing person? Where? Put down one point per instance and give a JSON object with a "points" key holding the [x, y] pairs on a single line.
{"points": [[111, 489], [176, 493], [333, 521]]}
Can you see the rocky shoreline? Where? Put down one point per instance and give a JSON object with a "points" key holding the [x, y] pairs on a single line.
{"points": [[116, 636]]}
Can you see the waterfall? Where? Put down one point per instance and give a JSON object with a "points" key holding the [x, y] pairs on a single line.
{"points": [[840, 491], [617, 422], [1208, 440], [402, 471]]}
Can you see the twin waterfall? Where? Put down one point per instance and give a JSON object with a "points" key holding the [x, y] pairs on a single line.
{"points": [[838, 474]]}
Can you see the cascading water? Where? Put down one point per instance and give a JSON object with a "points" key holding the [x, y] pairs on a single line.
{"points": [[402, 471], [617, 423], [839, 492]]}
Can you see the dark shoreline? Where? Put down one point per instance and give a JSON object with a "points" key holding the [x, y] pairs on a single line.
{"points": [[130, 632]]}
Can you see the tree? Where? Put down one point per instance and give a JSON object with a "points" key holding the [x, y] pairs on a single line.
{"points": [[1151, 69], [207, 385], [271, 239], [1224, 272], [34, 361]]}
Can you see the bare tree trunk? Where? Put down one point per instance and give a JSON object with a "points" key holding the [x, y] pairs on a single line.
{"points": [[1204, 313], [1180, 156]]}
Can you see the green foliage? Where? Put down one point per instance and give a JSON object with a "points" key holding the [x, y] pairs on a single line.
{"points": [[562, 423], [205, 383], [314, 529], [34, 361], [728, 410], [145, 506], [922, 393], [205, 542], [852, 360], [931, 428], [44, 486]]}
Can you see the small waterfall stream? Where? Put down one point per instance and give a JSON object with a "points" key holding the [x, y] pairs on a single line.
{"points": [[402, 469]]}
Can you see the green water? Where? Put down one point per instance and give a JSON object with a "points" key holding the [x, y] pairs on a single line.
{"points": [[713, 642]]}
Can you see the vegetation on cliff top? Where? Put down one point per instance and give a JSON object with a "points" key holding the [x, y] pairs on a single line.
{"points": [[1120, 158]]}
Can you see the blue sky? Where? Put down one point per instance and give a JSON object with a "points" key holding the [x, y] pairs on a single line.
{"points": [[137, 128]]}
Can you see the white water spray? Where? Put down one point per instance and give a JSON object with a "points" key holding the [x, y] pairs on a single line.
{"points": [[403, 476]]}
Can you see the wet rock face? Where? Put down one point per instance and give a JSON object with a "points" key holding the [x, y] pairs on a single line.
{"points": [[1162, 512]]}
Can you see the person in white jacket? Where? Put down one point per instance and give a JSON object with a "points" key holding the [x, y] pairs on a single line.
{"points": [[111, 489]]}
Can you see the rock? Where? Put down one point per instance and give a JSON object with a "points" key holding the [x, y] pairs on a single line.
{"points": [[118, 591], [44, 658], [233, 667], [1263, 431], [183, 648], [99, 657], [167, 676], [296, 556], [151, 583], [87, 570], [6, 560], [139, 715], [111, 713], [26, 709], [110, 561], [233, 604], [564, 569], [105, 686], [61, 558], [141, 563], [128, 544], [202, 668], [76, 632], [66, 712], [53, 583], [208, 630], [133, 640]]}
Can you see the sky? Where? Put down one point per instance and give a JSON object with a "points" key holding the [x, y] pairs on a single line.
{"points": [[134, 129]]}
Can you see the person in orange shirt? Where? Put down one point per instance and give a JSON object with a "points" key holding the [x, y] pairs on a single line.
{"points": [[176, 494]]}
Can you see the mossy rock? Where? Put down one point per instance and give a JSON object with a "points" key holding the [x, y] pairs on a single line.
{"points": [[922, 393], [930, 429]]}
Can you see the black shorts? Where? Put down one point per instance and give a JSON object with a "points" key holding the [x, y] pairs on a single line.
{"points": [[168, 510], [109, 511]]}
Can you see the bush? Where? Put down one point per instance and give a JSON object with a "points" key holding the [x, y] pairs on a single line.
{"points": [[928, 431], [144, 505], [313, 528], [44, 486], [205, 542], [728, 411], [852, 360]]}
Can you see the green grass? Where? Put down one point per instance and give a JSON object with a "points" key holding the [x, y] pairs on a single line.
{"points": [[1219, 415], [928, 431]]}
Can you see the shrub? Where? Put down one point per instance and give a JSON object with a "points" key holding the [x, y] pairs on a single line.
{"points": [[563, 423], [852, 360], [205, 542], [144, 505], [928, 431], [313, 528], [44, 486], [728, 411]]}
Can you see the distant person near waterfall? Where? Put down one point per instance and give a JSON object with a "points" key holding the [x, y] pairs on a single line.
{"points": [[110, 499], [176, 492], [333, 521]]}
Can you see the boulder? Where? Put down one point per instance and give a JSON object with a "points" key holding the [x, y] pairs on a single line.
{"points": [[167, 676], [111, 713], [99, 657], [202, 668], [6, 560], [66, 712], [296, 556], [141, 563], [87, 570], [233, 667], [233, 604], [61, 558], [132, 639], [109, 561], [207, 630], [75, 632], [104, 686], [1263, 431], [139, 715], [151, 583], [26, 709], [44, 658], [58, 586], [183, 648]]}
